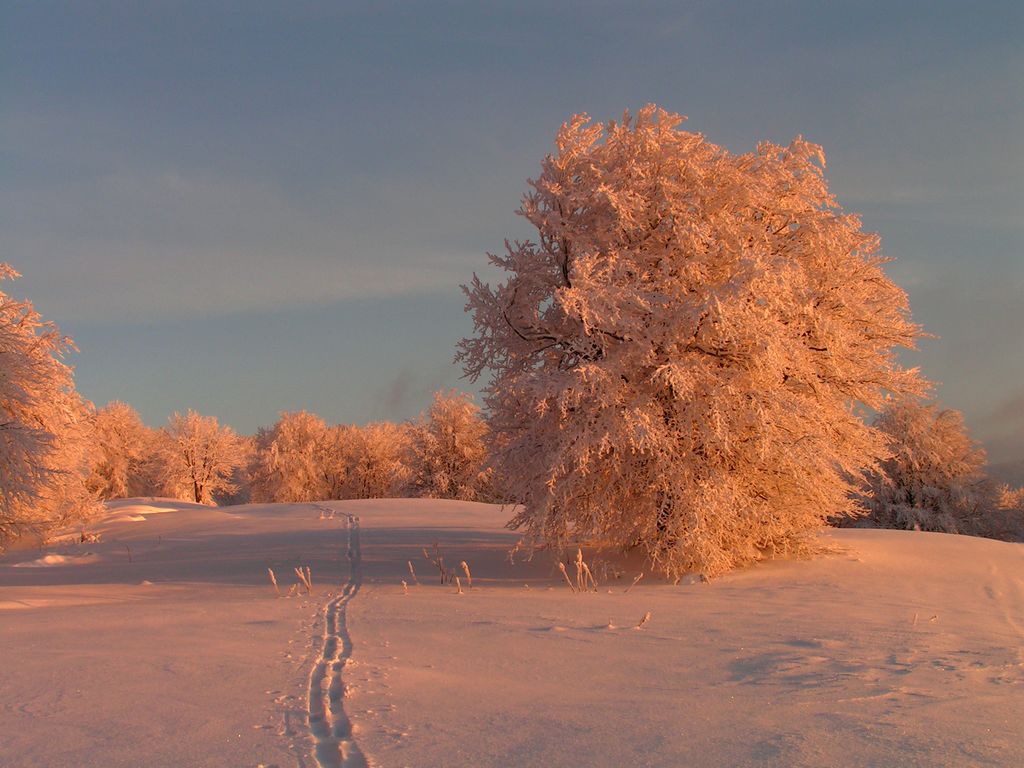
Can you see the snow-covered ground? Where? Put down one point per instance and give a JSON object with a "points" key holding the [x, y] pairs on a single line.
{"points": [[165, 644]]}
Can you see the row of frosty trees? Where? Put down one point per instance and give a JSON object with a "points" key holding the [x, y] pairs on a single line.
{"points": [[89, 455], [300, 458], [686, 360]]}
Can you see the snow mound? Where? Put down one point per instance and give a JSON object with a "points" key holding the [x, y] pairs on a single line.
{"points": [[47, 561], [151, 506]]}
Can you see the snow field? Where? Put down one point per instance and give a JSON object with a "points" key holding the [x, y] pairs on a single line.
{"points": [[899, 649]]}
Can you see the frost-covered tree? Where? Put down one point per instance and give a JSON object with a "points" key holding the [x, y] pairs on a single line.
{"points": [[291, 460], [1007, 520], [679, 360], [335, 461], [449, 450], [934, 480], [198, 457], [1010, 498], [376, 459], [121, 453], [43, 424]]}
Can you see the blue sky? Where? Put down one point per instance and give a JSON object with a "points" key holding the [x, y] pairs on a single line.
{"points": [[252, 207]]}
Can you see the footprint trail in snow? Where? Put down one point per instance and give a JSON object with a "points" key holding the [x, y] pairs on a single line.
{"points": [[329, 726]]}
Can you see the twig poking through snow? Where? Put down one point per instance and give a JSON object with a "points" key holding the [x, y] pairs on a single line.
{"points": [[458, 583], [412, 572], [644, 620], [469, 576], [405, 587], [273, 580], [637, 579], [129, 552]]}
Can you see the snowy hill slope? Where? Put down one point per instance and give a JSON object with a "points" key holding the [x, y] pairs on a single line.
{"points": [[164, 644]]}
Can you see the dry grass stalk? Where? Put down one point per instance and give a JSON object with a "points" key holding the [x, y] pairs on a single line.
{"points": [[405, 587], [438, 562], [469, 576], [305, 578], [294, 590], [637, 579], [458, 584], [273, 580], [412, 572], [587, 575], [561, 567], [644, 620]]}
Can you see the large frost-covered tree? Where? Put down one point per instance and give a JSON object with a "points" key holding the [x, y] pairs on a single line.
{"points": [[449, 450], [680, 359], [43, 425], [934, 480], [198, 457]]}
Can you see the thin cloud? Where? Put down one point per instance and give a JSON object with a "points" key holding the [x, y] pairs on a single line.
{"points": [[138, 246]]}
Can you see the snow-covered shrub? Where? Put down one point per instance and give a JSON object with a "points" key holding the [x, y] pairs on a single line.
{"points": [[934, 480], [449, 450], [198, 457], [678, 360], [43, 425]]}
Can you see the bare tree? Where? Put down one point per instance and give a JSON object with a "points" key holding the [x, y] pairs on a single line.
{"points": [[679, 359]]}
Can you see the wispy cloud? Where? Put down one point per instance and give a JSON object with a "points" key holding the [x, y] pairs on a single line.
{"points": [[136, 245]]}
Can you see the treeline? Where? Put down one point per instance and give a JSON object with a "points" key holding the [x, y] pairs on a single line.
{"points": [[60, 457], [300, 458], [934, 480]]}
